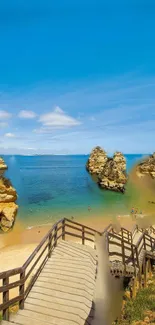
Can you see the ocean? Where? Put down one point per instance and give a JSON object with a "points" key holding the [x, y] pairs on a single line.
{"points": [[52, 187]]}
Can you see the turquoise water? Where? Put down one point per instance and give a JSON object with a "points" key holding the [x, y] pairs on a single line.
{"points": [[50, 187]]}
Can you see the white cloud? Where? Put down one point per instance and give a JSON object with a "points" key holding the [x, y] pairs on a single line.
{"points": [[4, 115], [3, 125], [58, 119], [27, 114], [9, 135]]}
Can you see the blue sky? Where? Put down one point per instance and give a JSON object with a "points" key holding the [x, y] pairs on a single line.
{"points": [[76, 74]]}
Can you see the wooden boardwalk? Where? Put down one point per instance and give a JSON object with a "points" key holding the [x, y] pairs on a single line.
{"points": [[57, 283], [63, 292]]}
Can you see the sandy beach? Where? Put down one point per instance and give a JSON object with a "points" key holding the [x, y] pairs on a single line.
{"points": [[17, 245]]}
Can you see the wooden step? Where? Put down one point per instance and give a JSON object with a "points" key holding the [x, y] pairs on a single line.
{"points": [[59, 301], [62, 288], [55, 306], [62, 295]]}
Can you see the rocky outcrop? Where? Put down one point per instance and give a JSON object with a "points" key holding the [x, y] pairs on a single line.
{"points": [[147, 167], [111, 172], [8, 196], [8, 214], [3, 166], [96, 161]]}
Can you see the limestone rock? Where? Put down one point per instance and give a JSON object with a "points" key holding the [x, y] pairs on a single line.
{"points": [[147, 167], [96, 161], [111, 172], [113, 176], [7, 192], [8, 196], [3, 166], [7, 215]]}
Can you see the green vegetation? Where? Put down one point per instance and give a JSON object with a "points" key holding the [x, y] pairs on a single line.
{"points": [[141, 309]]}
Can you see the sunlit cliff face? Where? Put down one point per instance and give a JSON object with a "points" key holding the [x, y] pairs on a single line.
{"points": [[108, 291]]}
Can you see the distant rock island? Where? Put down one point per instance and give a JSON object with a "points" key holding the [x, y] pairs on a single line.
{"points": [[8, 196], [147, 167], [111, 172]]}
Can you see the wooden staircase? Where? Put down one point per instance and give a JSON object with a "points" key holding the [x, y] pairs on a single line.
{"points": [[57, 282]]}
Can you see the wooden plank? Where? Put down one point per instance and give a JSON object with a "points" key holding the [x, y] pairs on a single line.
{"points": [[24, 320], [9, 273], [61, 295], [65, 278], [119, 245], [58, 301], [79, 224], [46, 318], [65, 289], [5, 322], [57, 256], [71, 275], [55, 306], [66, 283], [72, 268], [5, 311], [35, 277], [29, 260], [11, 285], [11, 302], [37, 260], [65, 316], [75, 250], [76, 260]]}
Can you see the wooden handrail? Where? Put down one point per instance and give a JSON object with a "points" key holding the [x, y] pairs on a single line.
{"points": [[81, 225], [25, 265]]}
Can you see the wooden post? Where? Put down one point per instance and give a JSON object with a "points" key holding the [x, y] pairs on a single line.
{"points": [[150, 268], [133, 257], [140, 277], [145, 273], [137, 257], [63, 229], [6, 299], [83, 235], [123, 252], [134, 287], [55, 235], [22, 289], [50, 246], [107, 242], [144, 242]]}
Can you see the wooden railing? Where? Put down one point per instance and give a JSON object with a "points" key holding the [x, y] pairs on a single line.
{"points": [[25, 276], [128, 251]]}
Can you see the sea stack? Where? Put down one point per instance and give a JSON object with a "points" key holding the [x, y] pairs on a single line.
{"points": [[8, 197], [96, 161], [147, 167], [111, 172]]}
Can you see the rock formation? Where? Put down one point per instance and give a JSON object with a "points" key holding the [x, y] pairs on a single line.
{"points": [[96, 161], [147, 167], [3, 166], [8, 196], [111, 172]]}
